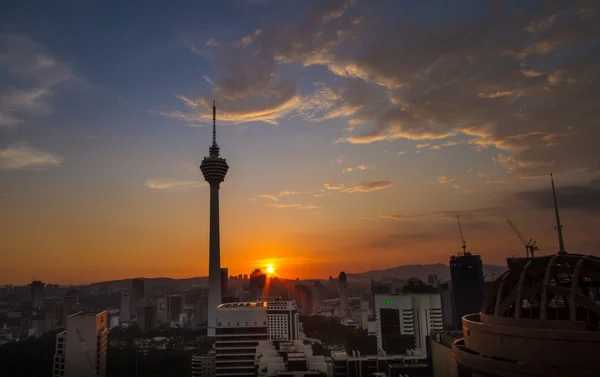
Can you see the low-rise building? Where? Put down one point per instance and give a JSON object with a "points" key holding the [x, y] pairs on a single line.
{"points": [[289, 358]]}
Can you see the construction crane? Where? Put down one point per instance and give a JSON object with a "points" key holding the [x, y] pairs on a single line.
{"points": [[530, 246], [86, 352], [464, 243]]}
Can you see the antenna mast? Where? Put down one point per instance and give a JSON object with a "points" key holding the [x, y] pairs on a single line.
{"points": [[214, 122], [561, 242], [464, 243]]}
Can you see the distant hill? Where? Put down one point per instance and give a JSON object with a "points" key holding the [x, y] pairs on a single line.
{"points": [[420, 271]]}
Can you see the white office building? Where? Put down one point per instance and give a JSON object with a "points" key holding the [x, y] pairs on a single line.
{"points": [[282, 318], [402, 319], [289, 358], [203, 365], [81, 348], [239, 329]]}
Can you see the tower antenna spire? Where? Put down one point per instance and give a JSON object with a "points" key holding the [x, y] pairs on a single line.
{"points": [[214, 122], [464, 243], [561, 242]]}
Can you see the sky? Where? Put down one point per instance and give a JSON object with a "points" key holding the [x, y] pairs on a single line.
{"points": [[356, 131]]}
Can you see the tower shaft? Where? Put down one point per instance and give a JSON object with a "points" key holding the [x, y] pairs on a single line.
{"points": [[214, 169], [214, 260]]}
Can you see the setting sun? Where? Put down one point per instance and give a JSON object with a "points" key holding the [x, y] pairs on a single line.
{"points": [[270, 269]]}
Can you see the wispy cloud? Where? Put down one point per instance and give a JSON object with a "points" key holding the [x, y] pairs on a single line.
{"points": [[23, 156], [356, 168], [444, 179], [401, 153], [496, 181], [338, 160], [270, 197], [33, 75], [294, 206], [174, 185], [208, 80], [360, 187]]}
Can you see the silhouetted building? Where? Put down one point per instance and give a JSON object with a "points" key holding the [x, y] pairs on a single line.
{"points": [[303, 296], [448, 311], [343, 288], [200, 316], [258, 281], [433, 280], [162, 315], [203, 365], [317, 295], [468, 287], [146, 316], [26, 319], [54, 312], [137, 293], [224, 282], [71, 304], [36, 294], [125, 311], [175, 307]]}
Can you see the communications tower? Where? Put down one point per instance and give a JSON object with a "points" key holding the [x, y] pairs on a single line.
{"points": [[214, 169]]}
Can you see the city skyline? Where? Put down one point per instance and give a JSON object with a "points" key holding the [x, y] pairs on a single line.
{"points": [[345, 156]]}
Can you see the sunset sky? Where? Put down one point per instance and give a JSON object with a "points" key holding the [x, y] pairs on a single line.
{"points": [[355, 132]]}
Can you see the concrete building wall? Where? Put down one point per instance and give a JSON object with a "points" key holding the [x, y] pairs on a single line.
{"points": [[443, 361]]}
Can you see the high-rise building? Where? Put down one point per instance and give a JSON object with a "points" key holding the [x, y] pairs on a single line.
{"points": [[343, 282], [258, 280], [282, 318], [161, 310], [317, 295], [203, 365], [174, 307], [303, 296], [224, 283], [468, 286], [200, 316], [405, 321], [239, 329], [146, 316], [81, 347], [26, 319], [214, 169], [432, 279], [71, 304], [448, 310], [125, 310], [36, 294], [137, 293]]}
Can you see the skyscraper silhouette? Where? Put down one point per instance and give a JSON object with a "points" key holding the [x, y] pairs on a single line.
{"points": [[214, 169]]}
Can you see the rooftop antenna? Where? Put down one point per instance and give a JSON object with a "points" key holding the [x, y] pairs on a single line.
{"points": [[214, 148], [558, 227], [464, 243], [214, 122]]}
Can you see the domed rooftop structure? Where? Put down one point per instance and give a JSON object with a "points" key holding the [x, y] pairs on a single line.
{"points": [[564, 287]]}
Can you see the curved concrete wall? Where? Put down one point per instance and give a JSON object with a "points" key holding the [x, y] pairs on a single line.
{"points": [[564, 349]]}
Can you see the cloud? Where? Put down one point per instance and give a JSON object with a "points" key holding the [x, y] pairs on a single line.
{"points": [[361, 187], [356, 168], [33, 76], [288, 193], [444, 179], [248, 39], [577, 197], [338, 160], [23, 156], [211, 42], [401, 153], [208, 80], [489, 79], [270, 197], [294, 206], [174, 185]]}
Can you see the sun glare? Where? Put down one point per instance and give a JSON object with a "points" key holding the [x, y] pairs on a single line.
{"points": [[270, 269]]}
